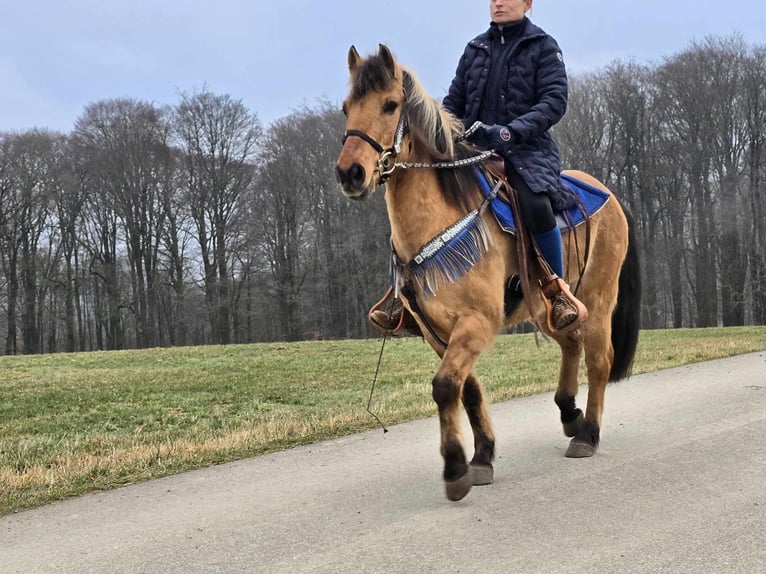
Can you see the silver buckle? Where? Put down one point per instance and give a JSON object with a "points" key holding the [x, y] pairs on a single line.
{"points": [[386, 163]]}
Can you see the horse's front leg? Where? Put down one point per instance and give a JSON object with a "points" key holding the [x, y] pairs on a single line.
{"points": [[469, 337]]}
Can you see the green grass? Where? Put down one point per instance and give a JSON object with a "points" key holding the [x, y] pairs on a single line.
{"points": [[70, 424]]}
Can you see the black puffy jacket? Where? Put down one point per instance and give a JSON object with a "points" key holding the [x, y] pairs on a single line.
{"points": [[530, 97]]}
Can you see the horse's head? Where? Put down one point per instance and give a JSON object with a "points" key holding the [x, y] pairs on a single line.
{"points": [[373, 112]]}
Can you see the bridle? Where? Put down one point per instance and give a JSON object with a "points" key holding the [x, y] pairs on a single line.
{"points": [[387, 164]]}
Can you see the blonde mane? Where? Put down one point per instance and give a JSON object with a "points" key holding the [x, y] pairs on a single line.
{"points": [[433, 126]]}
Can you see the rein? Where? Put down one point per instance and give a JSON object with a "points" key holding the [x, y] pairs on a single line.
{"points": [[480, 158], [387, 164]]}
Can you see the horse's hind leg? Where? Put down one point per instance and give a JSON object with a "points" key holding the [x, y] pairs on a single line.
{"points": [[598, 359], [469, 337], [483, 436]]}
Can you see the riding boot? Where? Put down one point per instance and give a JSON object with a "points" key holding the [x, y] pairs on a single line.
{"points": [[566, 311], [386, 314], [389, 317]]}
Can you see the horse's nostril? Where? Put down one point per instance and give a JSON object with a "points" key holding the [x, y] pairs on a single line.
{"points": [[356, 174], [340, 175], [351, 177]]}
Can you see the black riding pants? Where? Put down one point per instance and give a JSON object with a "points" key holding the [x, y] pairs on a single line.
{"points": [[536, 208]]}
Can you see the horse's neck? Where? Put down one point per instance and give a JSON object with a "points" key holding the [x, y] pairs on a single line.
{"points": [[417, 210]]}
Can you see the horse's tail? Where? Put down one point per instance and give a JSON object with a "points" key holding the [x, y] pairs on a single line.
{"points": [[627, 314]]}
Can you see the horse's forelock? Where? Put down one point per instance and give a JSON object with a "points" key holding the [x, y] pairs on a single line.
{"points": [[372, 76]]}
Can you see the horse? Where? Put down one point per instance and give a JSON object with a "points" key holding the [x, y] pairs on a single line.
{"points": [[398, 135]]}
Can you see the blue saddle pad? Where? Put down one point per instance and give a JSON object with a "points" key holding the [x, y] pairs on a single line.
{"points": [[591, 197]]}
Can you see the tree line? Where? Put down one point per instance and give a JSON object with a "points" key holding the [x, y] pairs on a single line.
{"points": [[684, 142], [196, 224]]}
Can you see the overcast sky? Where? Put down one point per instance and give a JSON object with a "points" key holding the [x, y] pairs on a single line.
{"points": [[56, 56]]}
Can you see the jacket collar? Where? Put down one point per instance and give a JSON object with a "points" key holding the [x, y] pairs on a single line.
{"points": [[495, 32], [483, 40]]}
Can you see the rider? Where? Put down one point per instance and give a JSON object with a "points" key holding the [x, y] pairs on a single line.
{"points": [[510, 88]]}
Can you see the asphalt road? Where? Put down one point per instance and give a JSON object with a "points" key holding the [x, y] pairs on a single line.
{"points": [[678, 485]]}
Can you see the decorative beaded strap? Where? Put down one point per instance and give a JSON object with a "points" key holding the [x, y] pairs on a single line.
{"points": [[483, 156]]}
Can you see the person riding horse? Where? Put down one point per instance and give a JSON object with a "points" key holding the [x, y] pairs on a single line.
{"points": [[510, 88], [451, 260]]}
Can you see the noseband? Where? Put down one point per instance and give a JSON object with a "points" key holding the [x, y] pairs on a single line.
{"points": [[386, 156]]}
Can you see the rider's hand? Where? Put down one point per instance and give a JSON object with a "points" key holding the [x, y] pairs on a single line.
{"points": [[496, 137]]}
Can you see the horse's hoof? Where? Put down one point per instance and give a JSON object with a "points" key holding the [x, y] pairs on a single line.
{"points": [[482, 474], [457, 489], [580, 449], [571, 428]]}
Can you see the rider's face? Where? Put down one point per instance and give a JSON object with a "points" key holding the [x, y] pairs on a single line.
{"points": [[507, 11]]}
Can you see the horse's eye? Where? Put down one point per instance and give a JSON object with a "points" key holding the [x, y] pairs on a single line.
{"points": [[345, 110], [390, 106]]}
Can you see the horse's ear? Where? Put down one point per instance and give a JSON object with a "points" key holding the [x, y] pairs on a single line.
{"points": [[387, 56], [354, 59]]}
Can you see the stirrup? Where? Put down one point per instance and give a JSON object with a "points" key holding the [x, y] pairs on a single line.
{"points": [[392, 309], [553, 286]]}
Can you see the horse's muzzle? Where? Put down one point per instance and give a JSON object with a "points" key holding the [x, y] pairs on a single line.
{"points": [[352, 180]]}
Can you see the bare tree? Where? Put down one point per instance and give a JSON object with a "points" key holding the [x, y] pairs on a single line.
{"points": [[724, 62], [282, 210], [9, 244], [584, 134], [754, 104], [688, 85], [24, 193], [175, 237], [219, 139], [629, 96], [68, 198], [127, 141]]}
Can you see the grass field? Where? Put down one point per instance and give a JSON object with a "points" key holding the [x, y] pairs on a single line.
{"points": [[74, 423]]}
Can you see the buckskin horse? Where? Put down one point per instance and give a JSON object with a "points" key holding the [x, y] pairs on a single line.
{"points": [[398, 135]]}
